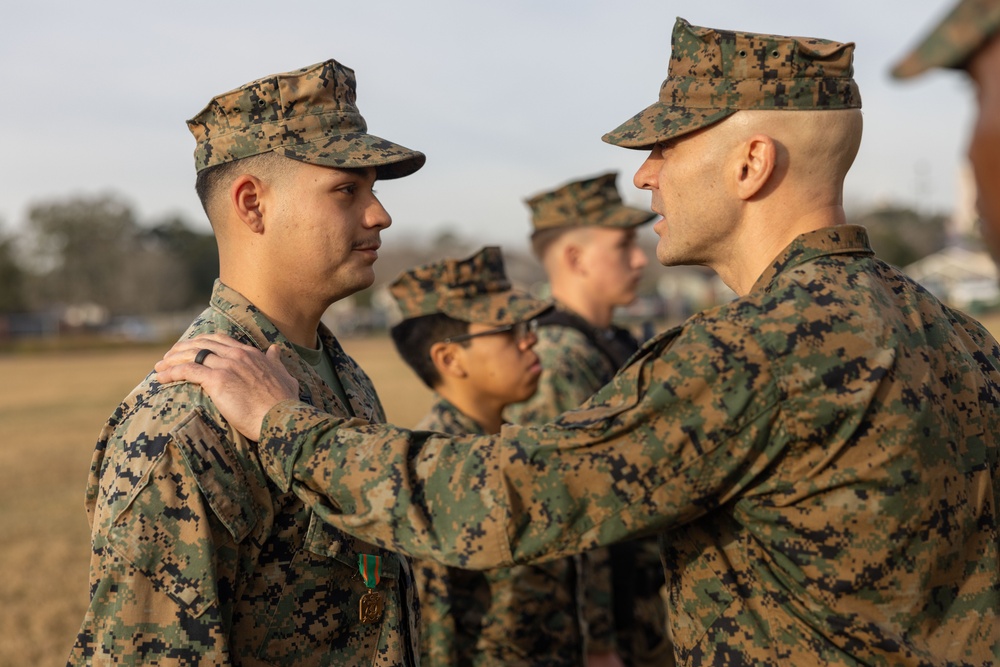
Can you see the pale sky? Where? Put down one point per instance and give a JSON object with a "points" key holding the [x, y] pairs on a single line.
{"points": [[506, 98]]}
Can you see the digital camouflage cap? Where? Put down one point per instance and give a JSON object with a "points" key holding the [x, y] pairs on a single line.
{"points": [[475, 289], [956, 38], [713, 74], [308, 115], [591, 202]]}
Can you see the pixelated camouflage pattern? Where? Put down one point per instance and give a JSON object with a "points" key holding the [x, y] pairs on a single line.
{"points": [[522, 616], [309, 114], [712, 74], [199, 560], [819, 455], [573, 370], [968, 26], [475, 289], [590, 202]]}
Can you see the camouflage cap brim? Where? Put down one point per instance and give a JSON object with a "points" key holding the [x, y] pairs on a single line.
{"points": [[660, 122], [953, 42], [626, 217], [622, 217], [496, 309], [713, 74], [358, 151], [475, 289], [588, 202]]}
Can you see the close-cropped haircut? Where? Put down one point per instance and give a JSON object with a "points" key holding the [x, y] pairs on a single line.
{"points": [[210, 181], [414, 337], [542, 240]]}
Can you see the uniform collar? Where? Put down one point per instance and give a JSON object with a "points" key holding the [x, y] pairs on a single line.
{"points": [[454, 420], [838, 240], [257, 330]]}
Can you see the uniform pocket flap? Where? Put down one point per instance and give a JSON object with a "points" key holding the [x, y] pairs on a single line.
{"points": [[163, 532], [210, 456], [325, 540]]}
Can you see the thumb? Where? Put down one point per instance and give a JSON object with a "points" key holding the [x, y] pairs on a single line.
{"points": [[273, 353]]}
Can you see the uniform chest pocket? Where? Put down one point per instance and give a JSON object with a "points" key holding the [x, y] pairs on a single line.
{"points": [[317, 615], [186, 515]]}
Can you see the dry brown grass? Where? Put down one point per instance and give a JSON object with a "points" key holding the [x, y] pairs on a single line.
{"points": [[52, 407]]}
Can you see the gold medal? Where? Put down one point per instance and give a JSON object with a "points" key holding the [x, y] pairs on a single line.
{"points": [[370, 608], [373, 602]]}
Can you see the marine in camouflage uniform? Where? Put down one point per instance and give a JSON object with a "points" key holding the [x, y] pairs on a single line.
{"points": [[621, 584], [523, 615], [198, 559], [820, 455], [966, 39]]}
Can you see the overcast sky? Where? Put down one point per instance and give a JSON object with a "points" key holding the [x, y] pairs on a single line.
{"points": [[505, 98]]}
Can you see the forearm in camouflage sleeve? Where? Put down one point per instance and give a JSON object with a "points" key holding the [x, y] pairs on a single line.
{"points": [[644, 454]]}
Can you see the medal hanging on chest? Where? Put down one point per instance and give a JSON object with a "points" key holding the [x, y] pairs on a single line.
{"points": [[372, 602]]}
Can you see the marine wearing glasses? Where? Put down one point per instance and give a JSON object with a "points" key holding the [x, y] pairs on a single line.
{"points": [[521, 331]]}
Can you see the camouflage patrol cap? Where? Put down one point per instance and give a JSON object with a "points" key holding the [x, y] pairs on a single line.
{"points": [[471, 290], [959, 35], [713, 74], [308, 115], [591, 202]]}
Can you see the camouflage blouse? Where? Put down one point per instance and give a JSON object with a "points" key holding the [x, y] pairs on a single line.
{"points": [[524, 615], [198, 559]]}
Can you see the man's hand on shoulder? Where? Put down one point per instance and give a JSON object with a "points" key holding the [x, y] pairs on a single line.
{"points": [[243, 382]]}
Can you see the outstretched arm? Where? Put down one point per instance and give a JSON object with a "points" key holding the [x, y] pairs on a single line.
{"points": [[675, 435]]}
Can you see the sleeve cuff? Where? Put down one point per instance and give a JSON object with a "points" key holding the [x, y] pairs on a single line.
{"points": [[281, 438]]}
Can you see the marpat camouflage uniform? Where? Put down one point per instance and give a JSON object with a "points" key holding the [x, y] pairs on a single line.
{"points": [[199, 560], [520, 616], [575, 369], [620, 585], [820, 457], [523, 615]]}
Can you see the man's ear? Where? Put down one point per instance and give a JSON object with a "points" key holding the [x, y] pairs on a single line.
{"points": [[245, 196], [572, 254], [448, 360], [755, 165]]}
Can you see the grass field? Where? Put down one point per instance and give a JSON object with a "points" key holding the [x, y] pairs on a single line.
{"points": [[52, 407]]}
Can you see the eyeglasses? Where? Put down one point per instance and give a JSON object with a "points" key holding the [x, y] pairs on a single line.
{"points": [[519, 330]]}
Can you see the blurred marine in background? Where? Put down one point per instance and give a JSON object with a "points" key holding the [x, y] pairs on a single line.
{"points": [[586, 240], [968, 39]]}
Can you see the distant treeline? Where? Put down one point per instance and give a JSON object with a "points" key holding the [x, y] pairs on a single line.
{"points": [[94, 251]]}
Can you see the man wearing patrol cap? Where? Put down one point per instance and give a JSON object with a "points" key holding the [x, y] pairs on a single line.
{"points": [[966, 39], [469, 337], [585, 238], [820, 455], [197, 558]]}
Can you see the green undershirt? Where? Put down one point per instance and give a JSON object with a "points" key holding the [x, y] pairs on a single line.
{"points": [[320, 362]]}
